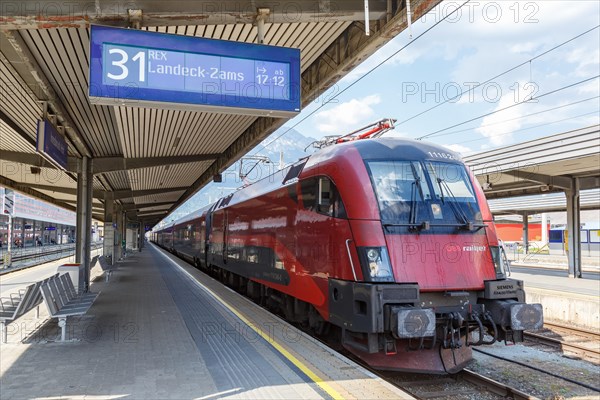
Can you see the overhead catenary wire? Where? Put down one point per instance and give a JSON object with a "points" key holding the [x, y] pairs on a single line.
{"points": [[520, 117], [471, 88], [532, 127], [507, 107], [262, 147]]}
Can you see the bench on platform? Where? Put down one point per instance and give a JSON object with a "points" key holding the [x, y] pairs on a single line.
{"points": [[107, 267], [93, 261], [62, 300], [20, 303]]}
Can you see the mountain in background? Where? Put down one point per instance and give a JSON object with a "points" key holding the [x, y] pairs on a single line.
{"points": [[291, 145]]}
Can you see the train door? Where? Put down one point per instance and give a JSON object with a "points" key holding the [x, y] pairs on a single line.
{"points": [[324, 226]]}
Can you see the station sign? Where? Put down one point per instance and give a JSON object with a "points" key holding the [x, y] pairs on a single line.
{"points": [[141, 68], [51, 144], [50, 228]]}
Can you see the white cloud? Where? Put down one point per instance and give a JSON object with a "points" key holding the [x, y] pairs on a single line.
{"points": [[346, 116], [586, 59], [498, 126], [525, 47], [459, 148], [454, 56]]}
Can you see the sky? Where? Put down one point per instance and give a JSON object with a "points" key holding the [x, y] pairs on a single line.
{"points": [[471, 52], [473, 46]]}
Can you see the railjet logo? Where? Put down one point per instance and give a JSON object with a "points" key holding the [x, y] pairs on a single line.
{"points": [[473, 248]]}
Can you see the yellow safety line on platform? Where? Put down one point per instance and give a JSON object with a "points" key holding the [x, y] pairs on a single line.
{"points": [[299, 364]]}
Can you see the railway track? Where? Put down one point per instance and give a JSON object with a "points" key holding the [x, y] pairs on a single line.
{"points": [[545, 377], [571, 341], [37, 257], [464, 385], [23, 257], [493, 386]]}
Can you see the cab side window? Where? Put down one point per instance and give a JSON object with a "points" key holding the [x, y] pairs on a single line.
{"points": [[320, 195], [308, 188]]}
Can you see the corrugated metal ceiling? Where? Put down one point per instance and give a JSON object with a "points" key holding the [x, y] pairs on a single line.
{"points": [[46, 57], [134, 132]]}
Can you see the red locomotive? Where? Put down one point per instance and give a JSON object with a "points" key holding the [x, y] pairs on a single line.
{"points": [[388, 241]]}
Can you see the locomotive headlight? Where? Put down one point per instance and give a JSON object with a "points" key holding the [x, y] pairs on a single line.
{"points": [[375, 264], [413, 323], [373, 255]]}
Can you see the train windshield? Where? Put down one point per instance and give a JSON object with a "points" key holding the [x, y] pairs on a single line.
{"points": [[415, 194]]}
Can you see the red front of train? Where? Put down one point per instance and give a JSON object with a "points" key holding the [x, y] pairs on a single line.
{"points": [[389, 240]]}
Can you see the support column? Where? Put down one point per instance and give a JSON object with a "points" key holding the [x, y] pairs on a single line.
{"points": [[118, 252], [544, 230], [574, 234], [526, 232], [88, 236], [84, 221], [109, 231], [142, 232]]}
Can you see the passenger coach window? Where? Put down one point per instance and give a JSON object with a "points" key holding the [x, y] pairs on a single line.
{"points": [[321, 195]]}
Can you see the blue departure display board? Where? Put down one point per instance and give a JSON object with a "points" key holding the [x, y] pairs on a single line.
{"points": [[135, 67], [51, 144]]}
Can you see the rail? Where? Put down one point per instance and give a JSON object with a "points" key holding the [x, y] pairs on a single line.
{"points": [[29, 257], [589, 353]]}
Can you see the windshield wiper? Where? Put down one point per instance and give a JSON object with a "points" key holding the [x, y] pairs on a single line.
{"points": [[456, 210], [425, 225], [414, 204], [412, 218]]}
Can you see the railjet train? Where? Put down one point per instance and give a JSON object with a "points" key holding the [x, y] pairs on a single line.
{"points": [[387, 242]]}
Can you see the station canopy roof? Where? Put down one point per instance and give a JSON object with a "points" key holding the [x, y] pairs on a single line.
{"points": [[548, 202], [155, 159], [546, 165]]}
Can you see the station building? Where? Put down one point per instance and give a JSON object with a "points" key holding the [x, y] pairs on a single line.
{"points": [[36, 222]]}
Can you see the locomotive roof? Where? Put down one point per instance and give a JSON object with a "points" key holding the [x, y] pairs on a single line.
{"points": [[191, 216], [384, 148]]}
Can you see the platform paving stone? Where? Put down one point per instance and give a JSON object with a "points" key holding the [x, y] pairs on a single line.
{"points": [[151, 335], [132, 344]]}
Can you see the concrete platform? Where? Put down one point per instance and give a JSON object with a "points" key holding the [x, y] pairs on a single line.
{"points": [[161, 329], [565, 300]]}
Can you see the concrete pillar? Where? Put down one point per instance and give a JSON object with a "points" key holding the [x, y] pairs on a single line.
{"points": [[109, 231], [526, 232], [83, 228], [544, 230], [119, 236], [142, 232], [574, 234]]}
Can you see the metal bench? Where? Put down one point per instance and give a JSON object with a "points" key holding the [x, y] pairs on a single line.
{"points": [[62, 300], [106, 266], [93, 261], [20, 303]]}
